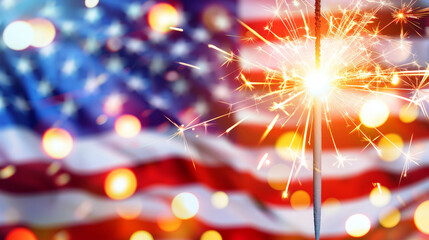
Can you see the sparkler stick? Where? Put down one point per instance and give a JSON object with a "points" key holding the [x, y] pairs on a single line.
{"points": [[317, 135]]}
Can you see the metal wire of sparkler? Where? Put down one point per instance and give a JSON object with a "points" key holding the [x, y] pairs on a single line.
{"points": [[317, 134]]}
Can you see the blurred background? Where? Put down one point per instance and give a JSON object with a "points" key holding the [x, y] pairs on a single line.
{"points": [[91, 90]]}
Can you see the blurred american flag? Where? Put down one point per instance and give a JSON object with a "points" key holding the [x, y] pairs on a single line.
{"points": [[106, 62]]}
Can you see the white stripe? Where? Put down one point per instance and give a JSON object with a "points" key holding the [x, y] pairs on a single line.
{"points": [[107, 151], [252, 10], [260, 54], [72, 207], [339, 101]]}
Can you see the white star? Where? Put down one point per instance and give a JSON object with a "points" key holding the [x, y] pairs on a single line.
{"points": [[158, 102], [157, 65], [4, 79], [93, 83], [67, 27], [180, 49], [48, 50], [201, 35], [24, 66], [44, 88], [135, 45], [134, 11], [69, 67], [3, 103], [201, 107], [222, 92], [113, 104], [21, 104], [68, 108], [156, 37], [115, 30], [115, 65], [180, 87], [91, 45], [92, 15], [50, 10], [136, 84], [204, 68]]}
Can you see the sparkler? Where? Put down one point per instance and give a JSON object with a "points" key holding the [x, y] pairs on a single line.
{"points": [[352, 65], [317, 134]]}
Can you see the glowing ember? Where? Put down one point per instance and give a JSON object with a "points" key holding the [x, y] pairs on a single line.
{"points": [[211, 235], [421, 217], [220, 200], [57, 143], [127, 126], [120, 184], [44, 32], [141, 235], [20, 234], [185, 205], [358, 225], [162, 17], [18, 35]]}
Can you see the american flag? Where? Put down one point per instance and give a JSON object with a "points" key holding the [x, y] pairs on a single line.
{"points": [[107, 62]]}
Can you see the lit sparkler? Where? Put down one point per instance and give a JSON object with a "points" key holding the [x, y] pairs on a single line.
{"points": [[351, 65]]}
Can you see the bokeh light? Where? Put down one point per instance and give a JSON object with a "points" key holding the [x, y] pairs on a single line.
{"points": [[358, 225], [217, 19], [219, 200], [380, 198], [300, 200], [18, 35], [127, 126], [7, 172], [120, 184], [44, 32], [162, 16], [390, 147], [185, 205], [141, 235], [277, 176], [211, 235], [20, 234], [395, 79], [408, 113], [390, 218], [61, 235], [331, 206], [288, 145], [421, 217], [57, 143], [374, 113], [129, 209], [91, 3], [168, 223]]}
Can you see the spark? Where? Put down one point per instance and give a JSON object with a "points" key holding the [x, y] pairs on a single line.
{"points": [[269, 128], [189, 65], [176, 29], [353, 66], [233, 126], [263, 159]]}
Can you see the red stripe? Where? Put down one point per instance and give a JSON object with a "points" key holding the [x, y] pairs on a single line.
{"points": [[384, 18], [119, 229], [32, 178], [248, 134]]}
